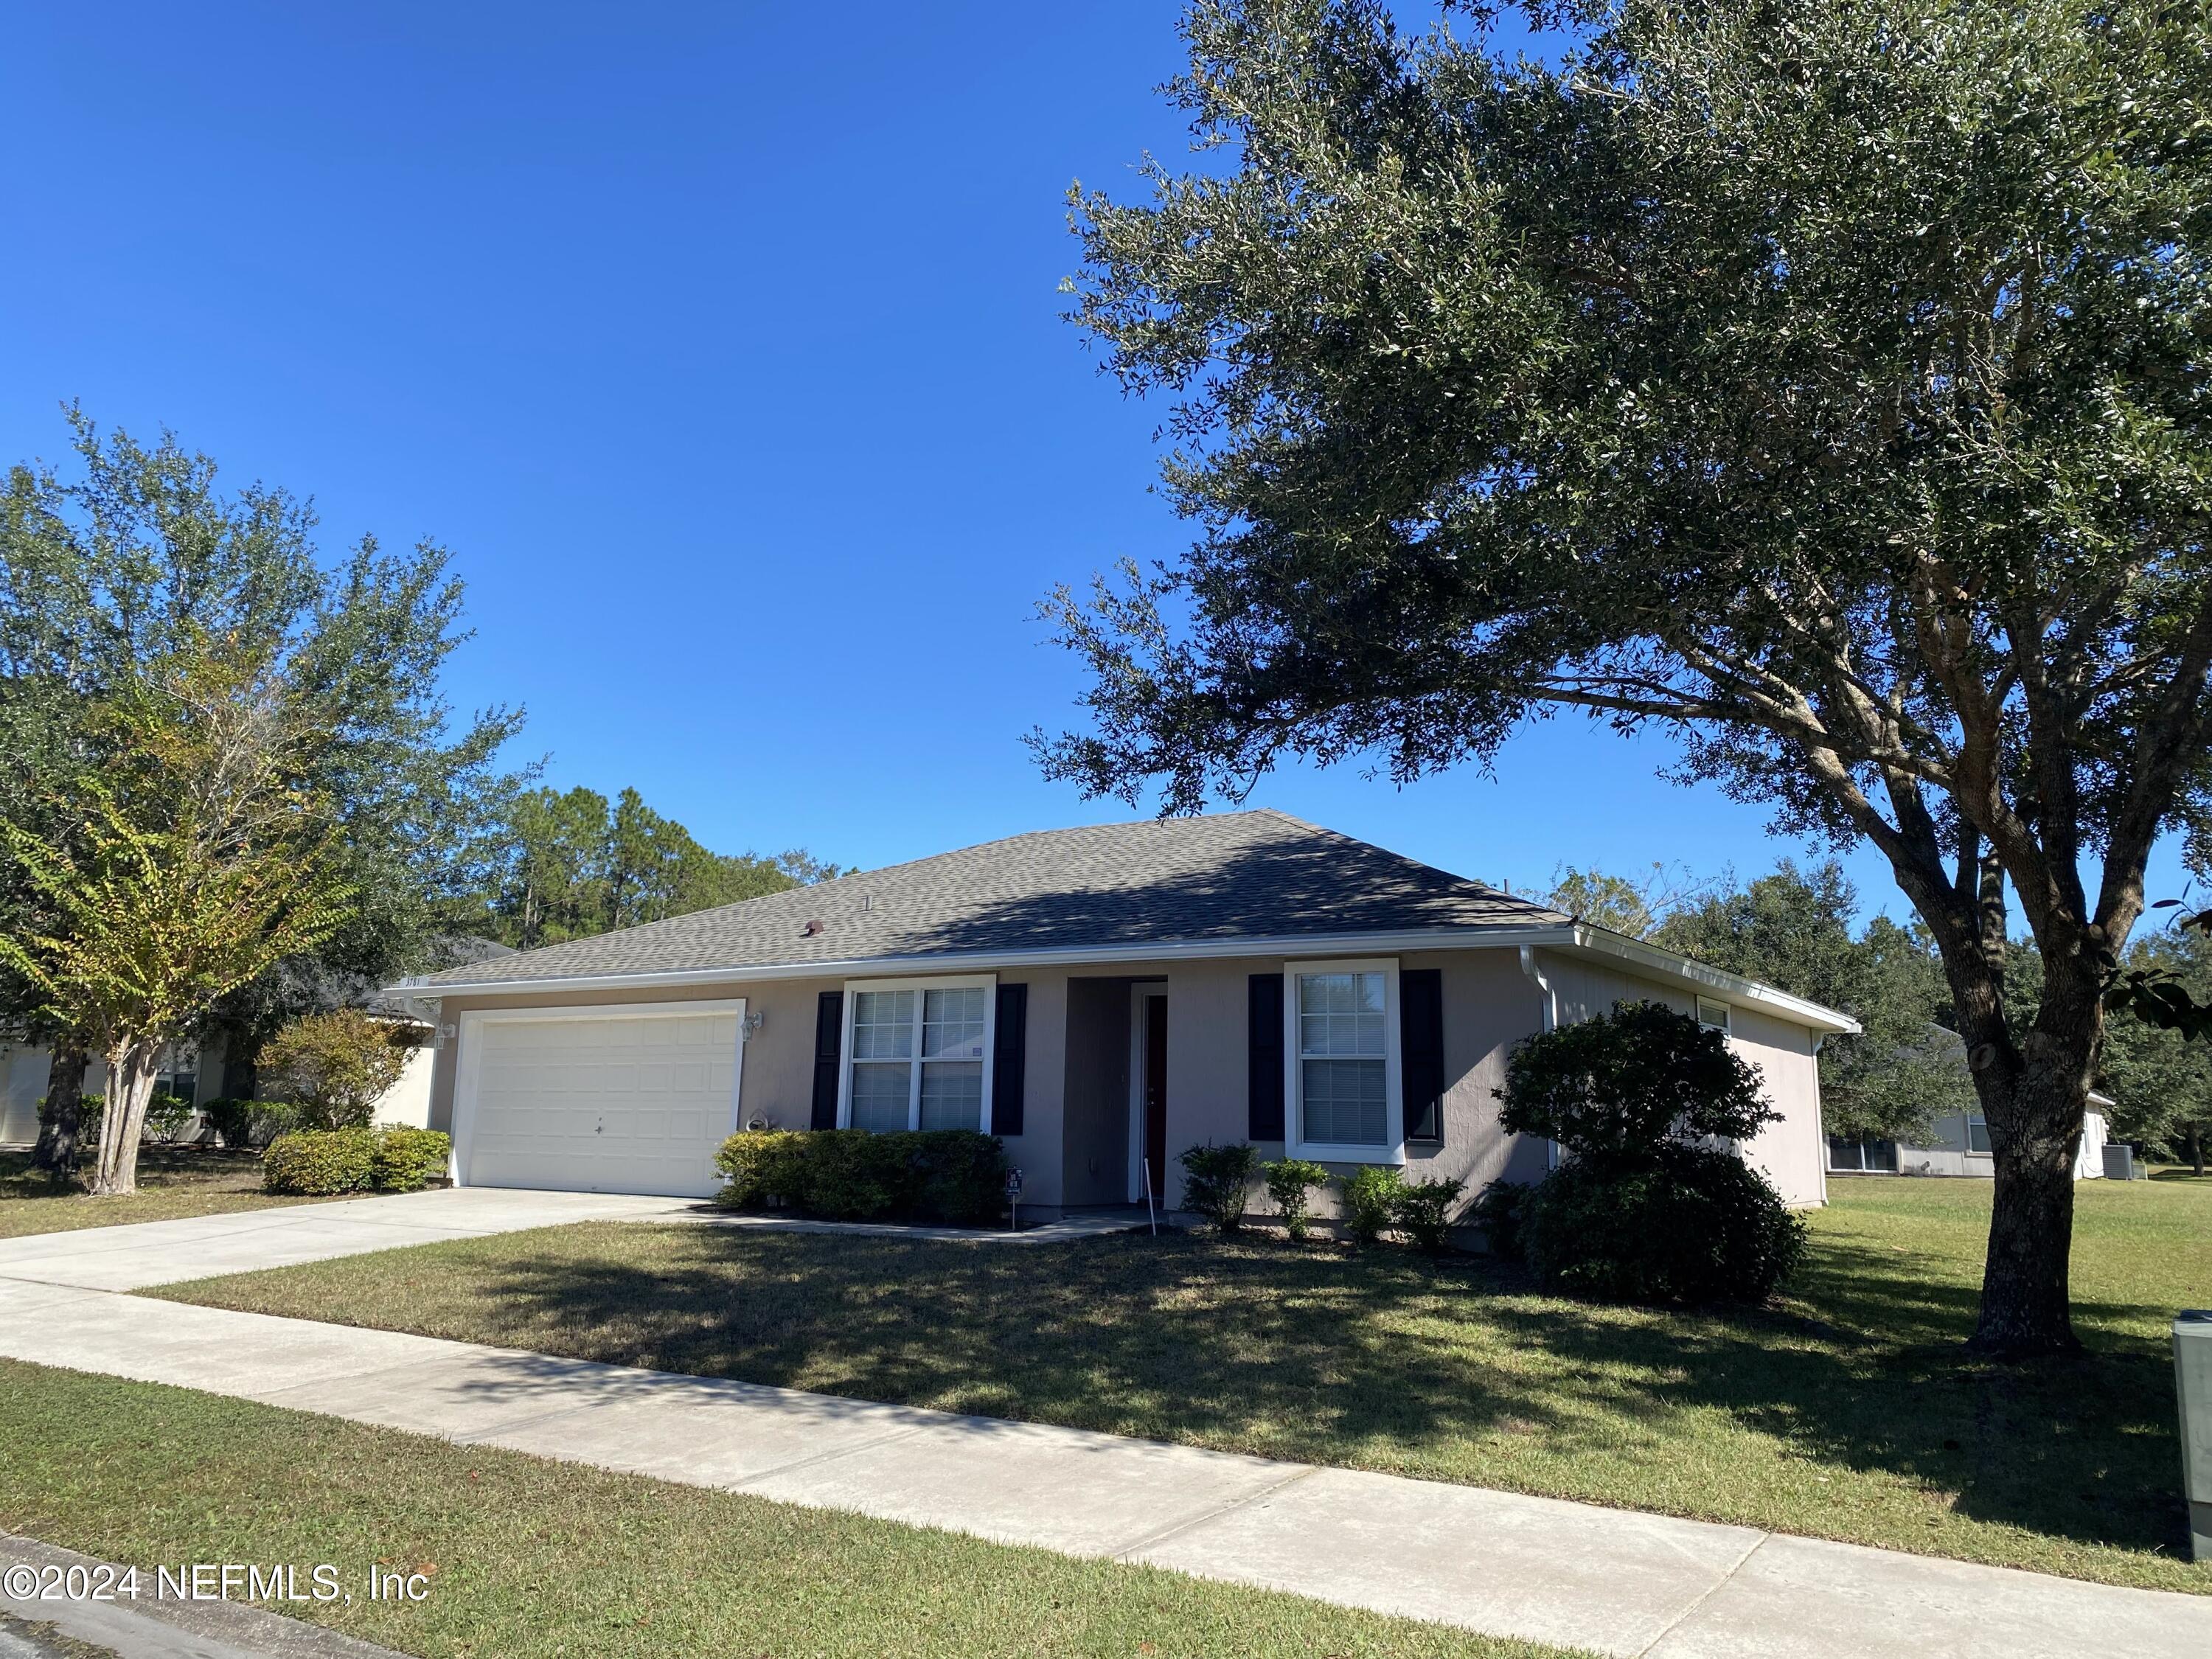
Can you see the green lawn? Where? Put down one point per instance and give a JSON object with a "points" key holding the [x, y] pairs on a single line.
{"points": [[174, 1182], [528, 1558], [1849, 1413]]}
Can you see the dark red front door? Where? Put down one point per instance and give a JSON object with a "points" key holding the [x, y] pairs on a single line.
{"points": [[1156, 1092]]}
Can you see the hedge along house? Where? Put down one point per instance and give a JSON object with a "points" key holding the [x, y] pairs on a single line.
{"points": [[1101, 998]]}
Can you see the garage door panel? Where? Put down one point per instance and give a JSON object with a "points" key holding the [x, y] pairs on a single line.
{"points": [[603, 1104]]}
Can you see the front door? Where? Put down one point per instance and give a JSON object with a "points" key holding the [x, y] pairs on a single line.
{"points": [[1156, 1093]]}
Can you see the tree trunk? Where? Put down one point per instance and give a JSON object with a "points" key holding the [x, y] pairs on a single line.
{"points": [[2034, 1099], [2197, 1149], [2024, 1278], [57, 1151], [131, 1069]]}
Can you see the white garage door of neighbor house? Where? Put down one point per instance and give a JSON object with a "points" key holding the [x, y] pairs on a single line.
{"points": [[599, 1101]]}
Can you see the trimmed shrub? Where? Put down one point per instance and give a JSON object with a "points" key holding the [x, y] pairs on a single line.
{"points": [[407, 1160], [244, 1123], [957, 1176], [759, 1167], [166, 1116], [1501, 1210], [319, 1162], [1370, 1202], [850, 1175], [1289, 1180], [1689, 1224], [1217, 1181], [952, 1177], [1422, 1211]]}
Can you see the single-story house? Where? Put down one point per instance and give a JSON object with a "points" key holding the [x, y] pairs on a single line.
{"points": [[1959, 1145], [1101, 998], [195, 1073]]}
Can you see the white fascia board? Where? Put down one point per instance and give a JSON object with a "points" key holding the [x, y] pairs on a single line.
{"points": [[1578, 940], [1747, 993], [1303, 945]]}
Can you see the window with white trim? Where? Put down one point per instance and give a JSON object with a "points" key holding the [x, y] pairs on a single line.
{"points": [[1977, 1133], [1713, 1015], [1344, 1088], [917, 1055]]}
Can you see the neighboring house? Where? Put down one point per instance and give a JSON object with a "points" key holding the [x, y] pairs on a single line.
{"points": [[1960, 1145], [23, 1069], [1102, 998], [197, 1074]]}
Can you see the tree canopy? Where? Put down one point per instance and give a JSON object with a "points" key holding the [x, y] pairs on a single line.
{"points": [[1793, 929], [1824, 382], [136, 553], [573, 864]]}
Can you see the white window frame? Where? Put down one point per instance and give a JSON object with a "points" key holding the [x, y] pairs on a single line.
{"points": [[1974, 1119], [1393, 1151], [988, 984], [1715, 1016]]}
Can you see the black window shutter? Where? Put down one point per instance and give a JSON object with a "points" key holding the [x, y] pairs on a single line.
{"points": [[1264, 1038], [1421, 1051], [1009, 1054], [829, 1038]]}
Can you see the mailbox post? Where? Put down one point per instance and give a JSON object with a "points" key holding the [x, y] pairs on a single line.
{"points": [[2192, 1379]]}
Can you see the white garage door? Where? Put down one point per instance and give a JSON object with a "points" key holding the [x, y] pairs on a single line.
{"points": [[599, 1100]]}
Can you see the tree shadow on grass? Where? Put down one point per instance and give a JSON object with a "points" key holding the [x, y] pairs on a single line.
{"points": [[1446, 1370]]}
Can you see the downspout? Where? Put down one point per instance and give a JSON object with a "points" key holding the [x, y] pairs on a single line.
{"points": [[1820, 1117], [1531, 967]]}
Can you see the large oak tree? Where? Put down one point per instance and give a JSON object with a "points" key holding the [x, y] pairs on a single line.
{"points": [[1819, 380]]}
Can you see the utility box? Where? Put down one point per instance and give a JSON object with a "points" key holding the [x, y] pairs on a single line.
{"points": [[2192, 1381], [2120, 1161]]}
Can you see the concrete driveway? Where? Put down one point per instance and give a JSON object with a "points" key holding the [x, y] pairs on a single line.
{"points": [[131, 1257]]}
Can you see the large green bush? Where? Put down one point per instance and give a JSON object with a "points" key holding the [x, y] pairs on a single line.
{"points": [[1691, 1224], [407, 1160], [319, 1162], [943, 1176], [1649, 1205], [1217, 1181]]}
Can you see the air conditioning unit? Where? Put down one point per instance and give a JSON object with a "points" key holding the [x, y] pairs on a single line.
{"points": [[2120, 1163]]}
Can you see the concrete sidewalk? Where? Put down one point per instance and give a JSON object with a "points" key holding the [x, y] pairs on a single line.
{"points": [[1610, 1580]]}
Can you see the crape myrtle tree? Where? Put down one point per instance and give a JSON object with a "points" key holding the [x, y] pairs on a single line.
{"points": [[186, 862], [111, 565], [1821, 381]]}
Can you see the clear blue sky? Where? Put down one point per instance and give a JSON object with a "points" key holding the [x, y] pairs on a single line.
{"points": [[721, 345]]}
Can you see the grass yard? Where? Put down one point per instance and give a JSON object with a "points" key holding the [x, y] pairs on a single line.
{"points": [[174, 1182], [1849, 1413], [528, 1558]]}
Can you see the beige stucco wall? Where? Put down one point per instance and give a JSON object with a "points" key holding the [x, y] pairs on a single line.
{"points": [[776, 1080], [1075, 1144], [1792, 1152]]}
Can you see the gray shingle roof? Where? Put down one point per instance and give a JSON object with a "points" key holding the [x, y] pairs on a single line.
{"points": [[1262, 875]]}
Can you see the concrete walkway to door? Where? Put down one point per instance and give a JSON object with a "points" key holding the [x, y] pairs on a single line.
{"points": [[1613, 1581]]}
